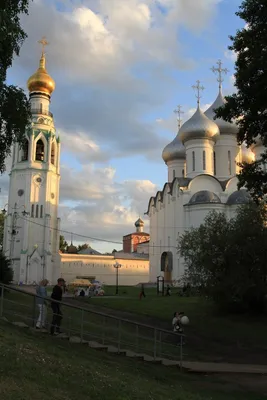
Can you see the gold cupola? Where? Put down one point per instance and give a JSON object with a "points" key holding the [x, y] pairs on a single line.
{"points": [[41, 81]]}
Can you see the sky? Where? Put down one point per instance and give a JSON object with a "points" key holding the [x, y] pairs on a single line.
{"points": [[121, 67]]}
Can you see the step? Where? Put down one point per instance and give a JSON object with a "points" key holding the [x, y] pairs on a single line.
{"points": [[115, 350], [98, 346], [132, 354], [20, 324], [170, 363], [77, 339]]}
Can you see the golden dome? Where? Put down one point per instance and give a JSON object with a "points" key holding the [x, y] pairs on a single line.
{"points": [[41, 81]]}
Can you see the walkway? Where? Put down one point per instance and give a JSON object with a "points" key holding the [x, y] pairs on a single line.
{"points": [[190, 366]]}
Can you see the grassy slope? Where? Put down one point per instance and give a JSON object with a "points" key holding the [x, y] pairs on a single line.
{"points": [[204, 320], [45, 368]]}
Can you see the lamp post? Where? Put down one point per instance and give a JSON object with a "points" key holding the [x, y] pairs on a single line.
{"points": [[117, 266]]}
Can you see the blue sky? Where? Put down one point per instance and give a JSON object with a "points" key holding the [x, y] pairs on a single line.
{"points": [[121, 67]]}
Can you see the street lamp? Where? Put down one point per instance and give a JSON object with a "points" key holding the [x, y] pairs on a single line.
{"points": [[117, 266]]}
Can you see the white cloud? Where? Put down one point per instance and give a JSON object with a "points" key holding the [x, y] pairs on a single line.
{"points": [[230, 55]]}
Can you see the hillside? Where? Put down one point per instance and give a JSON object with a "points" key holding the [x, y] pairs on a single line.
{"points": [[45, 368]]}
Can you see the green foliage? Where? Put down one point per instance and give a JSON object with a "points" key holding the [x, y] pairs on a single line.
{"points": [[250, 102], [6, 272], [63, 244], [82, 247], [227, 259], [14, 107]]}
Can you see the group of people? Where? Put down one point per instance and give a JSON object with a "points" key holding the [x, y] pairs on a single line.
{"points": [[42, 303]]}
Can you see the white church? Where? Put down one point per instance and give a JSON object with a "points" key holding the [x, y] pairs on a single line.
{"points": [[202, 163], [31, 234]]}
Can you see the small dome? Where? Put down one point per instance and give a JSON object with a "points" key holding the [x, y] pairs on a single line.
{"points": [[174, 151], [239, 197], [204, 196], [198, 127], [247, 155], [139, 223], [226, 128], [41, 81]]}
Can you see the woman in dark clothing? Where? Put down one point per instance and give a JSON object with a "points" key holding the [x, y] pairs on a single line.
{"points": [[57, 314]]}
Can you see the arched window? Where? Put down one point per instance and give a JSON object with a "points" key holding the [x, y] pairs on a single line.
{"points": [[25, 150], [183, 173], [39, 155], [229, 163], [204, 160], [173, 174], [36, 210], [53, 151], [214, 162], [193, 161], [32, 211], [41, 211]]}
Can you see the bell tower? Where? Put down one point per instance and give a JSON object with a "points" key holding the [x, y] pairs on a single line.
{"points": [[31, 236]]}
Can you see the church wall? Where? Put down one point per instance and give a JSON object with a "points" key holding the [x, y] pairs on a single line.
{"points": [[176, 168], [204, 182], [102, 268], [199, 157], [226, 150]]}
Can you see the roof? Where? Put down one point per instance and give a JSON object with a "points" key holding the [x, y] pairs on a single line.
{"points": [[137, 234], [89, 250]]}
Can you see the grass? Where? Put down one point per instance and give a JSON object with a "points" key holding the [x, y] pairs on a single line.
{"points": [[45, 368]]}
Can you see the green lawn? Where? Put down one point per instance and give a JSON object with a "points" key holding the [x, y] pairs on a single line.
{"points": [[39, 367]]}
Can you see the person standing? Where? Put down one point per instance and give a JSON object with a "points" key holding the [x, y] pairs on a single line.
{"points": [[41, 304], [142, 292], [56, 307]]}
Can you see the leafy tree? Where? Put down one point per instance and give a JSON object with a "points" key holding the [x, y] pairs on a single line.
{"points": [[6, 272], [82, 247], [227, 259], [249, 104], [2, 222], [14, 107], [63, 244]]}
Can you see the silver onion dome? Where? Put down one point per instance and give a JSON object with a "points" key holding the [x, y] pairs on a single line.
{"points": [[198, 127], [174, 151], [226, 128]]}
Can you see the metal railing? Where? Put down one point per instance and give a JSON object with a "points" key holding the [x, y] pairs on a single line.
{"points": [[41, 111], [20, 306]]}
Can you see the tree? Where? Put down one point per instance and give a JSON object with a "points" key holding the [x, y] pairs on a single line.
{"points": [[63, 244], [227, 259], [82, 247], [249, 104], [15, 112], [6, 272]]}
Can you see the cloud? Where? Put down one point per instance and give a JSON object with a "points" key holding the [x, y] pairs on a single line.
{"points": [[113, 62], [230, 55]]}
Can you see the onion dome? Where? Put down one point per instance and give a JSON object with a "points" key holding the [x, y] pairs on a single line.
{"points": [[247, 154], [41, 81], [203, 197], [72, 249], [198, 127], [139, 223], [174, 151], [226, 128]]}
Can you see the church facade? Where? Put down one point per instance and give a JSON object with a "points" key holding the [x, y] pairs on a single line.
{"points": [[31, 233], [202, 163]]}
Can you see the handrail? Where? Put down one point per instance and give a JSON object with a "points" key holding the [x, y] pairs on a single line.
{"points": [[94, 312]]}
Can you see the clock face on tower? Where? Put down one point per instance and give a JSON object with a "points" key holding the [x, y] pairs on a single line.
{"points": [[38, 180]]}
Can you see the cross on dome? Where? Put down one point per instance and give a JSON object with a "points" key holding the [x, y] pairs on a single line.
{"points": [[179, 113], [198, 90], [44, 43], [219, 71]]}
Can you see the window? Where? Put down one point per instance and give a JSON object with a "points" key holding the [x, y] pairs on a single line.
{"points": [[193, 161], [41, 211], [25, 150], [229, 163], [214, 162], [204, 160], [39, 155], [183, 173], [169, 241], [41, 108], [173, 174], [53, 153], [153, 248], [32, 211], [36, 210]]}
